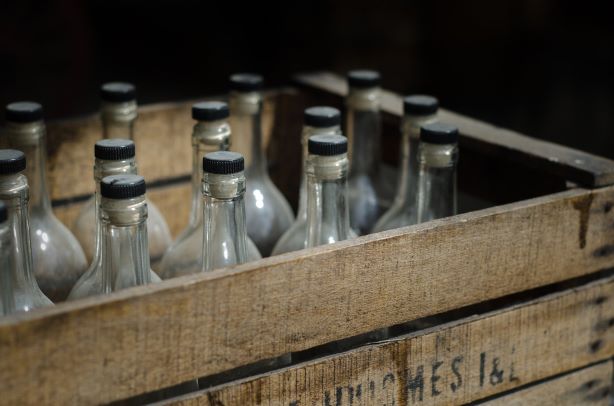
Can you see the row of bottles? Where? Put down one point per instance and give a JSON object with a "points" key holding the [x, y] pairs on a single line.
{"points": [[237, 213]]}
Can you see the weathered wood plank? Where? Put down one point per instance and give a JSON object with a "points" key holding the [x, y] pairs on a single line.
{"points": [[577, 166], [460, 362], [143, 339], [588, 386]]}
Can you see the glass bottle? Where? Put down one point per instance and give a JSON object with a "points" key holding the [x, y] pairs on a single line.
{"points": [[18, 290], [316, 120], [437, 160], [418, 110], [224, 232], [327, 203], [119, 112], [112, 157], [124, 247], [268, 212], [211, 133], [363, 129], [58, 258]]}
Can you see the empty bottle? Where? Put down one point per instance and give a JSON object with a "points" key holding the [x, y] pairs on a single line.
{"points": [[268, 213], [327, 189], [5, 241], [437, 160], [316, 120], [363, 129], [18, 288], [418, 110], [224, 231], [119, 111], [124, 252], [58, 257], [211, 133]]}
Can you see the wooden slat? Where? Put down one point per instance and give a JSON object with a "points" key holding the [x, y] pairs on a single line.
{"points": [[577, 166], [588, 386], [142, 339], [451, 364]]}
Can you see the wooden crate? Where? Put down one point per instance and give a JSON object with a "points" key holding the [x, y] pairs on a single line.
{"points": [[511, 304]]}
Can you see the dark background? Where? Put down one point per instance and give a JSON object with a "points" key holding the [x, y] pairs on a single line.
{"points": [[540, 67]]}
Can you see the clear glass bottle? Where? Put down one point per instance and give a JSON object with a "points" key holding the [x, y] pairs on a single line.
{"points": [[58, 258], [119, 112], [124, 247], [268, 213], [211, 133], [363, 129], [418, 110], [223, 189], [316, 120], [18, 290], [327, 190], [437, 160]]}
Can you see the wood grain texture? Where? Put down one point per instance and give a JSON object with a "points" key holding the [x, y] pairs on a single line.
{"points": [[453, 364], [588, 386], [580, 167], [146, 338]]}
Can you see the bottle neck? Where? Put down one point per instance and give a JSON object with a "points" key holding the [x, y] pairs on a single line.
{"points": [[30, 139], [118, 119], [102, 169], [224, 231], [437, 181], [14, 193], [363, 129], [125, 253], [206, 137], [246, 123], [306, 133], [328, 218], [408, 182]]}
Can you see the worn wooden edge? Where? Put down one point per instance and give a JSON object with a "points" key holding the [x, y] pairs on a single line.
{"points": [[155, 336], [454, 363], [586, 169], [588, 386]]}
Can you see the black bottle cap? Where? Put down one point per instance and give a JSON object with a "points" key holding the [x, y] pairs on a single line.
{"points": [[115, 149], [439, 133], [118, 92], [245, 82], [210, 111], [223, 162], [3, 213], [11, 161], [327, 145], [322, 117], [23, 112], [122, 186], [363, 79], [420, 105]]}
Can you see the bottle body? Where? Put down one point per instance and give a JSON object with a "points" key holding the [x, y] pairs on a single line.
{"points": [[268, 213], [20, 291], [363, 128], [437, 193], [58, 260], [403, 211]]}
